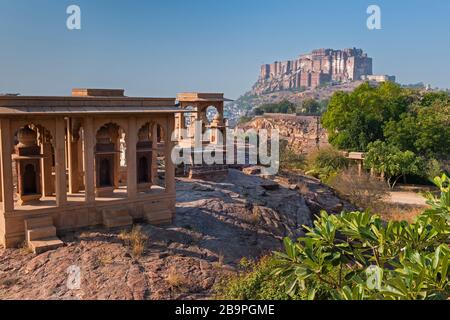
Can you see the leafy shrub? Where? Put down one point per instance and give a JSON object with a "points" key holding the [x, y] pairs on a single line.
{"points": [[326, 163], [375, 260], [254, 282], [290, 160], [284, 106], [433, 168], [356, 256]]}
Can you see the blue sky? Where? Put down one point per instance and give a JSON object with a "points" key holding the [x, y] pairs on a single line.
{"points": [[159, 48]]}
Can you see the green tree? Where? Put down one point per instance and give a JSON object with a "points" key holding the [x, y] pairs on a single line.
{"points": [[284, 106], [425, 129], [355, 119], [244, 119], [309, 106], [391, 162]]}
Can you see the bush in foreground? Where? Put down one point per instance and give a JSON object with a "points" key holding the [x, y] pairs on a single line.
{"points": [[356, 256], [326, 163]]}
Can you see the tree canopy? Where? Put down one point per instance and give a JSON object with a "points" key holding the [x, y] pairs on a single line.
{"points": [[425, 129], [391, 162], [402, 130], [355, 119]]}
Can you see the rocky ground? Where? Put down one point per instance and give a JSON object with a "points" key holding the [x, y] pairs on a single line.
{"points": [[218, 223]]}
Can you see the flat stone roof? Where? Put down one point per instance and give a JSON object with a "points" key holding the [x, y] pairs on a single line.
{"points": [[62, 111], [99, 101], [41, 105], [89, 92], [201, 97]]}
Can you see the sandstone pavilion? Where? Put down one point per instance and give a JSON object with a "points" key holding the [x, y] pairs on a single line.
{"points": [[94, 158]]}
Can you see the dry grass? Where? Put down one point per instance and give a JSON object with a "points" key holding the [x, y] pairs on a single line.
{"points": [[136, 240], [253, 218], [105, 259], [362, 190], [367, 192], [303, 187], [396, 212], [176, 280], [25, 248], [220, 262]]}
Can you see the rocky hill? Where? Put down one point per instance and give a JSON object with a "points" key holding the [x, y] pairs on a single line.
{"points": [[217, 224], [250, 100], [321, 66], [315, 75]]}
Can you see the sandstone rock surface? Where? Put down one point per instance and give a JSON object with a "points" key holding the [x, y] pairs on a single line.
{"points": [[300, 132], [218, 223]]}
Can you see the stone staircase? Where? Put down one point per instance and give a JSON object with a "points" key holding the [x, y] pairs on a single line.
{"points": [[40, 235], [115, 218]]}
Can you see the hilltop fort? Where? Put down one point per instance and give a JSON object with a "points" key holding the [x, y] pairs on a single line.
{"points": [[311, 70]]}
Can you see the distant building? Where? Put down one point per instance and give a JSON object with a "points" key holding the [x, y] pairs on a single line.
{"points": [[314, 69], [379, 78]]}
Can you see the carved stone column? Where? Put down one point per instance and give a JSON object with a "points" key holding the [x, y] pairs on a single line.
{"points": [[131, 158], [60, 164], [89, 173], [48, 185], [170, 166], [154, 178], [1, 184], [73, 138], [6, 165], [117, 161]]}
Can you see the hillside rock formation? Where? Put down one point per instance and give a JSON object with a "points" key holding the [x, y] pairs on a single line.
{"points": [[302, 133], [218, 223], [248, 101]]}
